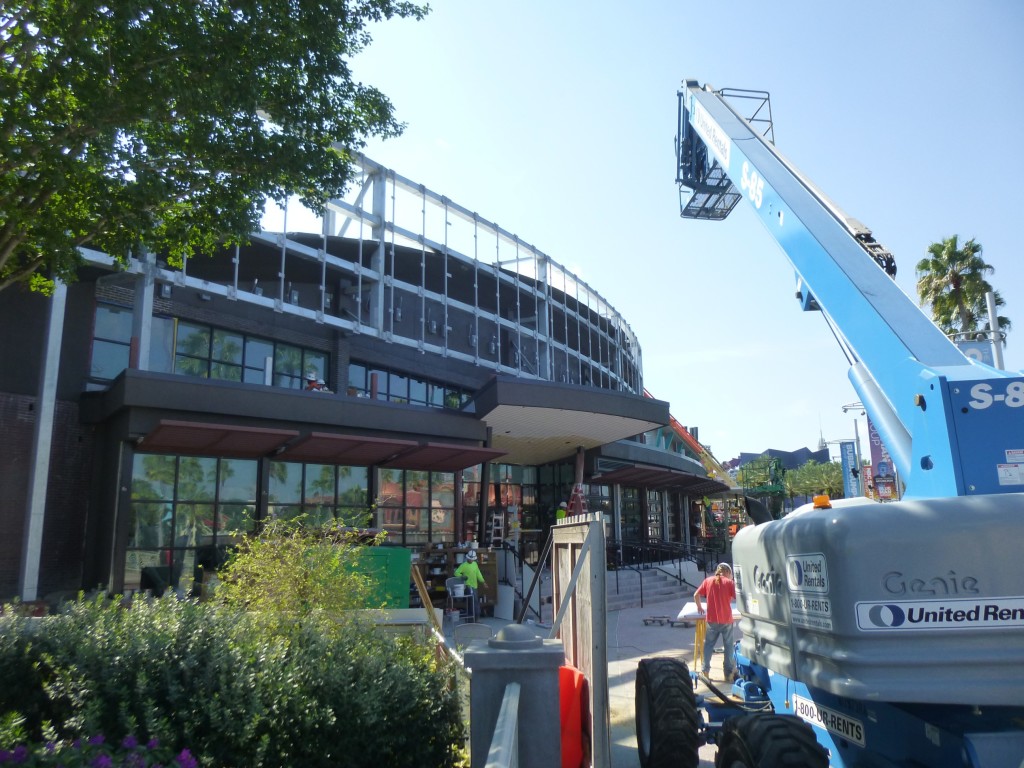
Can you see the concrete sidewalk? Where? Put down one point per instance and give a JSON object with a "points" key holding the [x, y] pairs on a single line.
{"points": [[630, 640]]}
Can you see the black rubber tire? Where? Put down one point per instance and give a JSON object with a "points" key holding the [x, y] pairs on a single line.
{"points": [[666, 715], [769, 741]]}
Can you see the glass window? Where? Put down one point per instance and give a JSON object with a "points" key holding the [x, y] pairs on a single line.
{"points": [[256, 353], [149, 526], [417, 392], [317, 363], [227, 356], [357, 377], [112, 333], [197, 478], [398, 388], [285, 482], [113, 323], [288, 366], [319, 484], [192, 350], [154, 476], [227, 347], [108, 359], [161, 345], [237, 480], [175, 523]]}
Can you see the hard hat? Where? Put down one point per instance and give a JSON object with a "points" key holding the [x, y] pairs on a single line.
{"points": [[471, 555], [564, 504], [311, 376]]}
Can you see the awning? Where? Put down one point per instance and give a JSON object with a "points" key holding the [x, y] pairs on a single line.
{"points": [[364, 451], [658, 477], [443, 457], [192, 437], [357, 450]]}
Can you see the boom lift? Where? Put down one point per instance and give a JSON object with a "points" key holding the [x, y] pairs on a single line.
{"points": [[871, 635]]}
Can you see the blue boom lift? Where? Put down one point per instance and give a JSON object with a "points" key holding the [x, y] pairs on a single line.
{"points": [[871, 634]]}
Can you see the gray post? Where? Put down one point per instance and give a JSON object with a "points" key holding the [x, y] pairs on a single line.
{"points": [[995, 335], [517, 655]]}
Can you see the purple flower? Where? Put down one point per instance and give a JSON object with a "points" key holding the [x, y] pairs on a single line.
{"points": [[130, 742], [185, 760], [20, 754], [101, 761], [96, 740], [153, 743]]}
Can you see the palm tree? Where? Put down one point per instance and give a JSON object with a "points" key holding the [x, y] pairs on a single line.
{"points": [[951, 279]]}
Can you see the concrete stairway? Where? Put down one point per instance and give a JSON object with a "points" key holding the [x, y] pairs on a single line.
{"points": [[624, 587]]}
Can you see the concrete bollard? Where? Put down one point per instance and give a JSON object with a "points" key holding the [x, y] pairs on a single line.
{"points": [[516, 655]]}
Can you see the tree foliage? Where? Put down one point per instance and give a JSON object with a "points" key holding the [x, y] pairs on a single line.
{"points": [[812, 478], [951, 280], [127, 124]]}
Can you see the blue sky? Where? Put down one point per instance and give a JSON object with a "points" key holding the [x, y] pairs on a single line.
{"points": [[556, 120]]}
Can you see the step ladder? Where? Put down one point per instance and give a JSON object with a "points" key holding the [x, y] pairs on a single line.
{"points": [[577, 501], [496, 529]]}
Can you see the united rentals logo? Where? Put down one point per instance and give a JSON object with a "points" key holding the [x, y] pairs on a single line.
{"points": [[990, 613], [807, 573]]}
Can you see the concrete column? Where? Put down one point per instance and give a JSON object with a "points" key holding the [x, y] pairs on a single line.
{"points": [[517, 655]]}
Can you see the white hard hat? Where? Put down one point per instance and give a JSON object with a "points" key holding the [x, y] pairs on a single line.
{"points": [[471, 555], [311, 376]]}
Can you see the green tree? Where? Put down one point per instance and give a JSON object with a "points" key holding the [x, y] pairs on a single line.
{"points": [[951, 280], [169, 125], [812, 478]]}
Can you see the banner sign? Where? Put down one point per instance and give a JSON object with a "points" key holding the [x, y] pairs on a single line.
{"points": [[883, 472], [848, 455]]}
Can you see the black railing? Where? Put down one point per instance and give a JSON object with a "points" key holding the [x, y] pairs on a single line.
{"points": [[639, 554]]}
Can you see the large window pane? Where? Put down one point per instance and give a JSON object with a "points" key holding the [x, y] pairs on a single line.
{"points": [[113, 323], [285, 482], [237, 480], [161, 345], [197, 478], [234, 521], [108, 359], [316, 362], [227, 347], [192, 340], [256, 353], [319, 485], [153, 476], [352, 486], [149, 526]]}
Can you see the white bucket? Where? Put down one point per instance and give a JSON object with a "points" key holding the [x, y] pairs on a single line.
{"points": [[458, 590]]}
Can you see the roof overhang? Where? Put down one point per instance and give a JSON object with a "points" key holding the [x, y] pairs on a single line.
{"points": [[192, 437], [535, 422], [661, 478]]}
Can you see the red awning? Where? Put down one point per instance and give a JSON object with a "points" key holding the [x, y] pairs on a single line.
{"points": [[443, 457], [192, 437], [357, 450]]}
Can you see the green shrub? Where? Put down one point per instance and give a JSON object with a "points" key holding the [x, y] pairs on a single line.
{"points": [[291, 570], [231, 687]]}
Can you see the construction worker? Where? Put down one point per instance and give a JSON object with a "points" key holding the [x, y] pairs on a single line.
{"points": [[561, 512]]}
